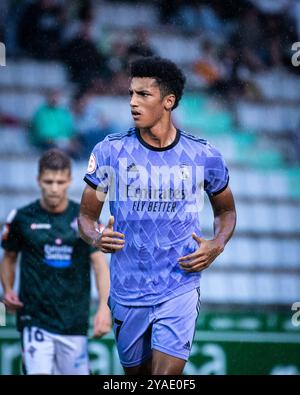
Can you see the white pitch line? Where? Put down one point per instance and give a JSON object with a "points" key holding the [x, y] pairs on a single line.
{"points": [[253, 337], [230, 336]]}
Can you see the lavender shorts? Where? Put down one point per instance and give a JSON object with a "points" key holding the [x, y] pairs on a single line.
{"points": [[168, 327]]}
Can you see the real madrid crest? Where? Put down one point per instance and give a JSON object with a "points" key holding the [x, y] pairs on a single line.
{"points": [[184, 172]]}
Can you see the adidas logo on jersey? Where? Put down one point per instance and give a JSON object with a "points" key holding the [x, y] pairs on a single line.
{"points": [[132, 167]]}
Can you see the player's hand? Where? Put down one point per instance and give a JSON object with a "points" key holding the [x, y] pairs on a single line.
{"points": [[110, 241], [102, 321], [12, 301], [202, 258]]}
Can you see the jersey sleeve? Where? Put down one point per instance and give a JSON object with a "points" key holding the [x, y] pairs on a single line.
{"points": [[11, 235], [98, 171], [216, 176]]}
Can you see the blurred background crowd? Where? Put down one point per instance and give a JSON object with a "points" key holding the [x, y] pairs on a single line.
{"points": [[221, 46], [65, 84]]}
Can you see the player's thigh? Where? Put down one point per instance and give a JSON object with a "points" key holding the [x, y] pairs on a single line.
{"points": [[71, 355], [165, 364], [132, 329], [38, 351], [144, 369], [174, 329]]}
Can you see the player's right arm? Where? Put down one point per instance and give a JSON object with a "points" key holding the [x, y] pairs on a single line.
{"points": [[8, 271], [90, 209], [12, 243]]}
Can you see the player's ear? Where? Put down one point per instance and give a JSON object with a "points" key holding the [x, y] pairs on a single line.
{"points": [[39, 177], [68, 175], [169, 101]]}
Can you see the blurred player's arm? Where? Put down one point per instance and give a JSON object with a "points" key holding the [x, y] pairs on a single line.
{"points": [[90, 210], [102, 320], [224, 224], [8, 271]]}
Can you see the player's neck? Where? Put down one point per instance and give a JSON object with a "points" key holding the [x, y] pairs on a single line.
{"points": [[159, 136], [61, 207]]}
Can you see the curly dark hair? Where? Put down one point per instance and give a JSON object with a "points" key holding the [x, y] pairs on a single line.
{"points": [[54, 159], [168, 76]]}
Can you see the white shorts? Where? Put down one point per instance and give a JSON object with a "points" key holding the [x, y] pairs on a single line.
{"points": [[49, 353]]}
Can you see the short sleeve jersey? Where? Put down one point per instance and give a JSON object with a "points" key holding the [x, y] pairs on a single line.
{"points": [[155, 195], [54, 270]]}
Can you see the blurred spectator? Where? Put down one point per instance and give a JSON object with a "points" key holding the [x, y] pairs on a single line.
{"points": [[3, 17], [294, 11], [80, 12], [118, 63], [195, 17], [122, 54], [85, 11], [229, 10], [40, 29], [208, 67], [167, 10], [118, 55], [90, 123], [217, 69], [271, 6], [86, 64], [52, 126], [140, 46], [10, 15], [274, 31], [250, 40]]}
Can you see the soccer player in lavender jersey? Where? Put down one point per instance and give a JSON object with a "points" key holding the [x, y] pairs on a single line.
{"points": [[155, 174]]}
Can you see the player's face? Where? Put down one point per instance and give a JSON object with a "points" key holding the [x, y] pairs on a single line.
{"points": [[147, 105], [54, 185]]}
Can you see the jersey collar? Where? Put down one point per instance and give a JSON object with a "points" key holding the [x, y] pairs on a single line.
{"points": [[152, 148]]}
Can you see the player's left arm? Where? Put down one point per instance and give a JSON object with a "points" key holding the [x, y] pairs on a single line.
{"points": [[102, 319], [224, 224]]}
